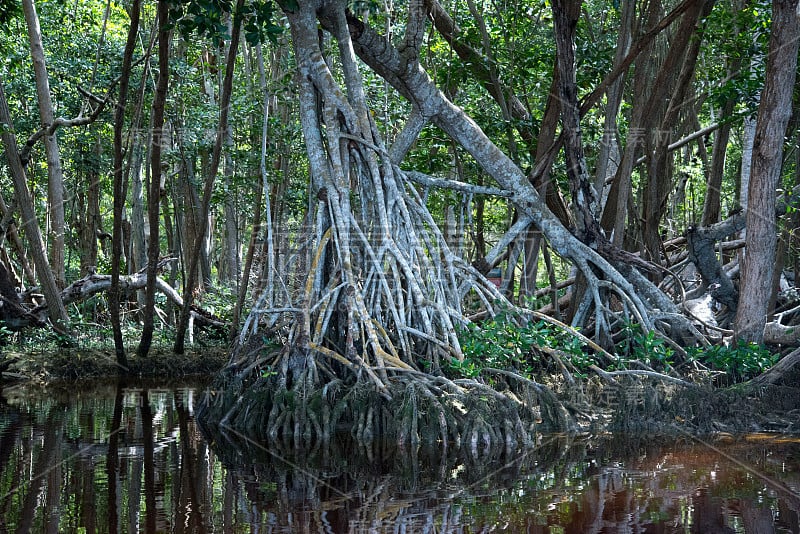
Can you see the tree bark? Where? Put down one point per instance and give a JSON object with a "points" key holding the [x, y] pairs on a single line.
{"points": [[55, 308], [609, 152], [615, 211], [222, 128], [584, 197], [119, 187], [774, 112], [229, 261], [702, 252], [711, 203], [187, 203], [543, 183], [154, 190], [55, 174], [748, 139], [679, 65], [138, 252]]}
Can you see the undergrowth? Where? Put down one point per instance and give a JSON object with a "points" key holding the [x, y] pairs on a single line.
{"points": [[526, 347], [505, 342]]}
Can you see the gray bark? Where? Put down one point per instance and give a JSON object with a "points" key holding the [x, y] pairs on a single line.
{"points": [[230, 260], [415, 85], [749, 136], [584, 197], [222, 128], [55, 174], [610, 152], [138, 243], [773, 116], [55, 308]]}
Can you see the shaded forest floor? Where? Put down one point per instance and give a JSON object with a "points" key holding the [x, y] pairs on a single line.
{"points": [[95, 363]]}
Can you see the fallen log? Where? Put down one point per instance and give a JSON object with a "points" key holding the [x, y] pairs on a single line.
{"points": [[785, 372], [93, 284]]}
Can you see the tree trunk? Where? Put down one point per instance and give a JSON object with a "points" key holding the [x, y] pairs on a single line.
{"points": [[55, 308], [119, 187], [748, 140], [608, 157], [55, 174], [229, 260], [542, 182], [138, 253], [711, 203], [584, 197], [87, 219], [679, 65], [154, 190], [222, 128], [774, 112], [137, 155], [187, 204], [615, 211]]}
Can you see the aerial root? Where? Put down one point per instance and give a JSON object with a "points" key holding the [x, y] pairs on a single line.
{"points": [[420, 411]]}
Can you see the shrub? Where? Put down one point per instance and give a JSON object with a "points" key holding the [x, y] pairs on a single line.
{"points": [[507, 342], [740, 362]]}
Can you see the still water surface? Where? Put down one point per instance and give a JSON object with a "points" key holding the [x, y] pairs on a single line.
{"points": [[132, 459]]}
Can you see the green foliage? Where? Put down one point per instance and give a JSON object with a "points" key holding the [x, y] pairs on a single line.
{"points": [[5, 334], [9, 9], [259, 23], [204, 17], [507, 342], [207, 19], [646, 347], [737, 37], [740, 362], [219, 301], [62, 339]]}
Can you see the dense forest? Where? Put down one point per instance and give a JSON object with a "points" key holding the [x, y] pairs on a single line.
{"points": [[423, 209]]}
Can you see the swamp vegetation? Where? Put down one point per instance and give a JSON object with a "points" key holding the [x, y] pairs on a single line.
{"points": [[131, 457], [461, 225]]}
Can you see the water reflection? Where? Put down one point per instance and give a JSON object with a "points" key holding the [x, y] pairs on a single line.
{"points": [[130, 458]]}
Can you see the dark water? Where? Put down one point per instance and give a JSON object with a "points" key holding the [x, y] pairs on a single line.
{"points": [[132, 459]]}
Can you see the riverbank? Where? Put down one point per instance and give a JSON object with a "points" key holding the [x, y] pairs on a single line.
{"points": [[92, 363], [628, 404]]}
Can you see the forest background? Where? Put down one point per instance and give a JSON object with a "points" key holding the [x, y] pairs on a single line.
{"points": [[479, 178]]}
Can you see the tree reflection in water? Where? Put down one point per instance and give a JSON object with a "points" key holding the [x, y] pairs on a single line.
{"points": [[131, 458]]}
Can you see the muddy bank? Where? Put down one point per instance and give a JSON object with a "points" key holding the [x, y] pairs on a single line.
{"points": [[79, 364], [634, 404]]}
